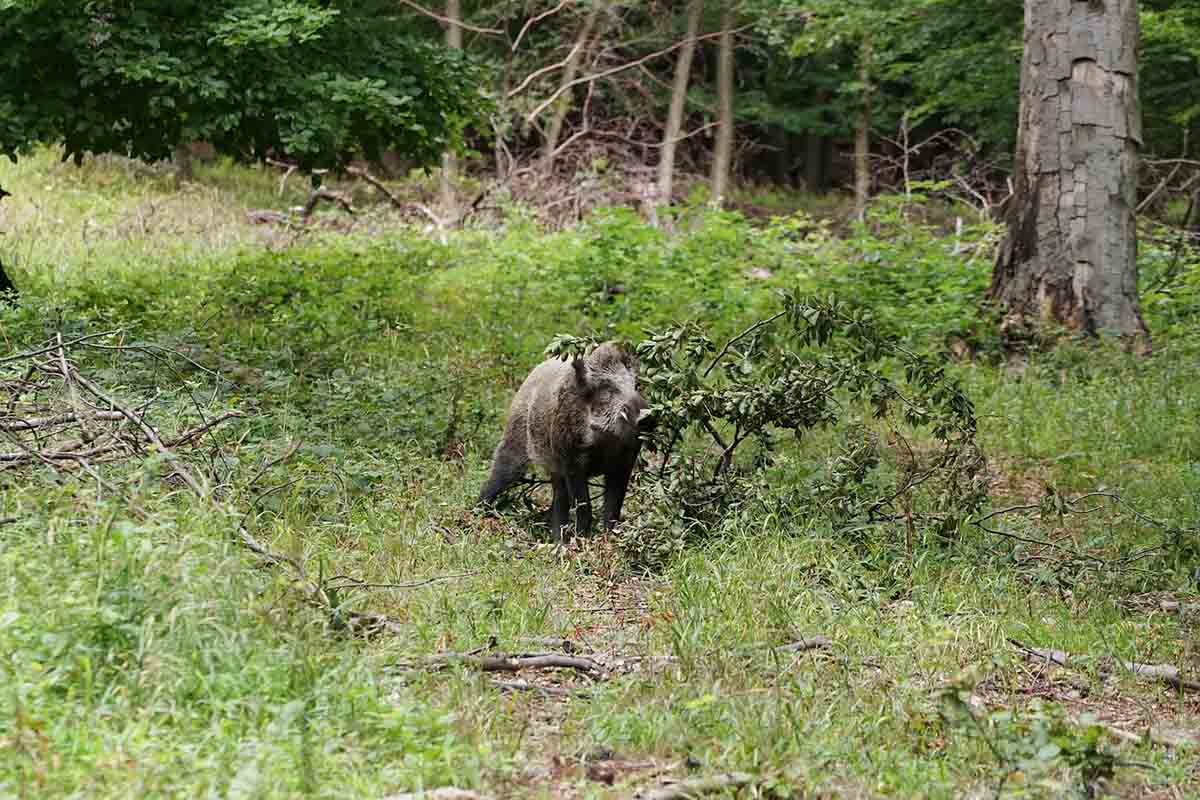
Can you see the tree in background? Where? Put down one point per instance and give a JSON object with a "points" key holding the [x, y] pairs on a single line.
{"points": [[1069, 254], [723, 152], [454, 40], [679, 87]]}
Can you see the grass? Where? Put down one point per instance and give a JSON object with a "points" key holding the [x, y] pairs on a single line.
{"points": [[144, 653]]}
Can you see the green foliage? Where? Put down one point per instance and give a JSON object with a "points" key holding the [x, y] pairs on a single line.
{"points": [[321, 82], [1035, 740], [823, 369]]}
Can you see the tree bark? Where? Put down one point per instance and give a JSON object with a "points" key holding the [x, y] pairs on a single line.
{"points": [[570, 72], [1069, 253], [862, 133], [683, 69], [447, 197], [723, 154]]}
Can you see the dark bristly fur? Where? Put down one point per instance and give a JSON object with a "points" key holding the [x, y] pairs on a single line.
{"points": [[575, 419]]}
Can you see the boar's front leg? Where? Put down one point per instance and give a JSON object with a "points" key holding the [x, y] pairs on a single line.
{"points": [[560, 506], [616, 483], [581, 501]]}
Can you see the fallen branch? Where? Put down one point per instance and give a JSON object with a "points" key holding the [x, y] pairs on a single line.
{"points": [[697, 787], [1164, 673], [192, 434], [395, 201], [11, 426], [325, 194], [511, 663], [815, 643]]}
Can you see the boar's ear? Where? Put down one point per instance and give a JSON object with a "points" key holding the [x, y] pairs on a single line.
{"points": [[581, 371]]}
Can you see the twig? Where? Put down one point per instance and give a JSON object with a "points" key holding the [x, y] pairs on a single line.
{"points": [[291, 451], [531, 116], [190, 435], [697, 787], [61, 419], [448, 21], [56, 346], [529, 23], [760, 324], [1009, 510], [1150, 198], [196, 486], [355, 583], [540, 72]]}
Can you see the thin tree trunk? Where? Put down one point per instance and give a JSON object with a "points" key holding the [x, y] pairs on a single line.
{"points": [[683, 69], [448, 198], [1069, 253], [723, 154], [862, 134], [570, 71]]}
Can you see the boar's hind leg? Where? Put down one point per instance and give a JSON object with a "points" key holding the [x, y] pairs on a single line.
{"points": [[615, 485], [581, 501], [508, 467]]}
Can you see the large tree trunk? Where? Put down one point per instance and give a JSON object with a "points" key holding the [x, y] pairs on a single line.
{"points": [[448, 198], [570, 71], [683, 70], [862, 133], [723, 154], [1069, 253]]}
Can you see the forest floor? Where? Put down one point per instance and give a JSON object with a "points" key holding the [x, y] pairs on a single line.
{"points": [[333, 391]]}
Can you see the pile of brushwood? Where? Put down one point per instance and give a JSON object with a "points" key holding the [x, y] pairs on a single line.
{"points": [[54, 415]]}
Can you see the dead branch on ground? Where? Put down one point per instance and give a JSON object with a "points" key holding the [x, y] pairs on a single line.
{"points": [[392, 198], [514, 663], [1164, 673], [325, 194]]}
